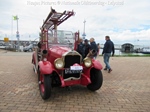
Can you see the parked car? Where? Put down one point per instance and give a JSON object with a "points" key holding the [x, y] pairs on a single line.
{"points": [[58, 64], [1, 44], [28, 48]]}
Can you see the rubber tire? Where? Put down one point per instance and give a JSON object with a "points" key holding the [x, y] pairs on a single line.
{"points": [[47, 87], [96, 80], [30, 50]]}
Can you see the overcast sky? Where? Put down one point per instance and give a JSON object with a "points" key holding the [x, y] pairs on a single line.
{"points": [[123, 20]]}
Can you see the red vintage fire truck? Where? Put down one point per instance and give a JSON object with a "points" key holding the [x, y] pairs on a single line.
{"points": [[56, 61]]}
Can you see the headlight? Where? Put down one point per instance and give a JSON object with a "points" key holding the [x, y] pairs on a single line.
{"points": [[59, 63], [87, 62]]}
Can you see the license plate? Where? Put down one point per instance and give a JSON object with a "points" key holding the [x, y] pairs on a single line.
{"points": [[76, 68], [69, 71]]}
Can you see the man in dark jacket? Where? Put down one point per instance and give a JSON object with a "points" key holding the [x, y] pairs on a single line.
{"points": [[81, 48], [93, 47], [108, 48], [87, 47]]}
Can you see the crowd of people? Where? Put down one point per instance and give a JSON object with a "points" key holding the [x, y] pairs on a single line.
{"points": [[89, 48], [86, 49]]}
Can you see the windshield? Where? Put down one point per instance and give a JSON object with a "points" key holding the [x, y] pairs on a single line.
{"points": [[63, 38]]}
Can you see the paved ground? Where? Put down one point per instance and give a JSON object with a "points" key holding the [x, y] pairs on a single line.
{"points": [[126, 89]]}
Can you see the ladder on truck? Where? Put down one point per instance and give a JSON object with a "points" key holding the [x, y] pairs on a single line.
{"points": [[53, 19]]}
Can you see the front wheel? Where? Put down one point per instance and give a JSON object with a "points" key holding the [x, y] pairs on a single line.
{"points": [[96, 80], [45, 86]]}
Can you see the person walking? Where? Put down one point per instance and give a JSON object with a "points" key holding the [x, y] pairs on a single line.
{"points": [[107, 50]]}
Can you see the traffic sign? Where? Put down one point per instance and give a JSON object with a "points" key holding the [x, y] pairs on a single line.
{"points": [[17, 36], [83, 34], [6, 39]]}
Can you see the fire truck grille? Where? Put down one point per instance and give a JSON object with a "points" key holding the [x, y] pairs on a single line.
{"points": [[69, 61]]}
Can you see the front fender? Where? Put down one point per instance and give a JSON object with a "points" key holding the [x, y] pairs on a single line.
{"points": [[45, 67], [97, 64]]}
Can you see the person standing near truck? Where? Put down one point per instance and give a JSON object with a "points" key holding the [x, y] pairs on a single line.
{"points": [[87, 47], [93, 48], [107, 50], [81, 48], [98, 46]]}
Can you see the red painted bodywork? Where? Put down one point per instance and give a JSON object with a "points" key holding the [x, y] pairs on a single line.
{"points": [[96, 64], [47, 67], [56, 52], [84, 80]]}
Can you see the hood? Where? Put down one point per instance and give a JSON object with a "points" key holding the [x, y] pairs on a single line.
{"points": [[59, 50]]}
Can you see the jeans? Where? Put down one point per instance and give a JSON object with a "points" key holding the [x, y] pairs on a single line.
{"points": [[106, 57]]}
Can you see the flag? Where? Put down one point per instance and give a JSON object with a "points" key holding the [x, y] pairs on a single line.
{"points": [[15, 17]]}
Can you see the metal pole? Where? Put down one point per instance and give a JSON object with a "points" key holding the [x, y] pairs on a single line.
{"points": [[84, 26], [12, 28], [17, 23], [84, 30], [55, 33], [17, 34]]}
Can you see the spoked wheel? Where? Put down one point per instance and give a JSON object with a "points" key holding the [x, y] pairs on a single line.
{"points": [[96, 80], [45, 86]]}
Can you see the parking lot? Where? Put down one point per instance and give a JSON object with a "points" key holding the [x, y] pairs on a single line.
{"points": [[125, 89]]}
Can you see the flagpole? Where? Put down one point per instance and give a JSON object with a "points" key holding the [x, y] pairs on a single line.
{"points": [[17, 33], [12, 27], [17, 24]]}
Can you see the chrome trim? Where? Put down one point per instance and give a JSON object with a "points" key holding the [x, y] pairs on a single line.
{"points": [[72, 78], [87, 58], [55, 61], [71, 53]]}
